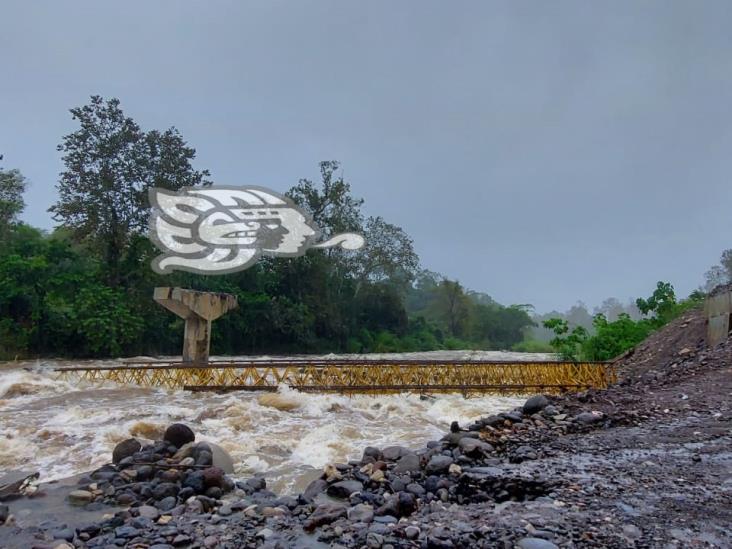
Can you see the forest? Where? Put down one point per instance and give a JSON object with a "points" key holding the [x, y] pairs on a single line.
{"points": [[85, 288]]}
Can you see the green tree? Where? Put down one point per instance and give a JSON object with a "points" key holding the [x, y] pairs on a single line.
{"points": [[12, 187], [662, 303], [110, 164]]}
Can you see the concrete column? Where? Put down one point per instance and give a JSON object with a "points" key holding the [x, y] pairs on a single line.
{"points": [[718, 309], [198, 309]]}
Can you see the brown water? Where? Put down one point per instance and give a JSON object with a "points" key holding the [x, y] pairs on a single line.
{"points": [[60, 429]]}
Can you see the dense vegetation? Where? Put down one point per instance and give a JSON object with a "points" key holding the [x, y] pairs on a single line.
{"points": [[611, 338], [85, 289]]}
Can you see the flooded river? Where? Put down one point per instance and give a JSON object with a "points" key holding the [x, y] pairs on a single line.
{"points": [[61, 429]]}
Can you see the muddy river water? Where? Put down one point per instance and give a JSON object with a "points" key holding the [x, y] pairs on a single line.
{"points": [[61, 429]]}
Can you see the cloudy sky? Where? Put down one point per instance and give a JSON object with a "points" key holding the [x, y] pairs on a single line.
{"points": [[542, 152]]}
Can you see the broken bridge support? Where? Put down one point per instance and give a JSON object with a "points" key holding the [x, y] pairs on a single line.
{"points": [[198, 309]]}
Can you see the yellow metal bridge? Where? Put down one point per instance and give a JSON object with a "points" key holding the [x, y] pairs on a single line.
{"points": [[363, 376]]}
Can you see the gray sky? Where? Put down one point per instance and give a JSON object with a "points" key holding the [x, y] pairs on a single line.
{"points": [[542, 152]]}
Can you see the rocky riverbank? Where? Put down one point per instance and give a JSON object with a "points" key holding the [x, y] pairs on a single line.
{"points": [[647, 463]]}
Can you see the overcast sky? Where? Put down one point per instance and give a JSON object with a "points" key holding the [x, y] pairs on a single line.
{"points": [[542, 152]]}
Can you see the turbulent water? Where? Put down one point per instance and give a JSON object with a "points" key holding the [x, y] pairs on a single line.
{"points": [[60, 429]]}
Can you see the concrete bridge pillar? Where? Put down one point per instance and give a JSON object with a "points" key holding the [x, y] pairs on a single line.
{"points": [[198, 309], [719, 316]]}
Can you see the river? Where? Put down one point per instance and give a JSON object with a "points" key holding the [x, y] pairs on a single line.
{"points": [[61, 429]]}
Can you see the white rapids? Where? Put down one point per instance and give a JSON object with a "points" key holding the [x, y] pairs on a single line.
{"points": [[61, 429]]}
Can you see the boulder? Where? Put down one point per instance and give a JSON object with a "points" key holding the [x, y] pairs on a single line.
{"points": [[589, 418], [324, 514], [125, 449], [438, 464], [80, 497], [474, 447], [313, 489], [393, 453], [535, 404], [344, 488], [178, 435], [536, 543], [361, 513], [407, 464]]}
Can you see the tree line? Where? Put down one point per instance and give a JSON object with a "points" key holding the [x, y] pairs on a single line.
{"points": [[85, 288]]}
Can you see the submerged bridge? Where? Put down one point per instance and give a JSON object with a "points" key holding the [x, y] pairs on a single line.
{"points": [[355, 376]]}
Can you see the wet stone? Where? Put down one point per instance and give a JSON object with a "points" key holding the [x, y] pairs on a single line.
{"points": [[438, 464], [166, 504], [344, 488], [407, 464], [536, 543], [80, 497], [535, 404]]}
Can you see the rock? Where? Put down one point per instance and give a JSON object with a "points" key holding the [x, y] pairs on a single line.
{"points": [[416, 489], [523, 453], [125, 449], [536, 543], [255, 484], [221, 458], [374, 540], [181, 539], [213, 476], [164, 490], [80, 497], [148, 511], [377, 476], [331, 473], [371, 454], [454, 469], [178, 435], [589, 418], [126, 498], [412, 532], [66, 534], [126, 532], [313, 489], [265, 533], [204, 458], [513, 417], [144, 472], [438, 464], [407, 464], [196, 481], [535, 404], [631, 531], [551, 410], [324, 514], [393, 453], [474, 447], [361, 513], [167, 503], [344, 488], [4, 512], [685, 351]]}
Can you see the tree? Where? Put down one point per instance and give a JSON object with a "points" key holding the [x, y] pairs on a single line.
{"points": [[110, 164], [567, 343], [661, 304], [388, 255], [452, 306], [12, 187], [331, 205]]}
